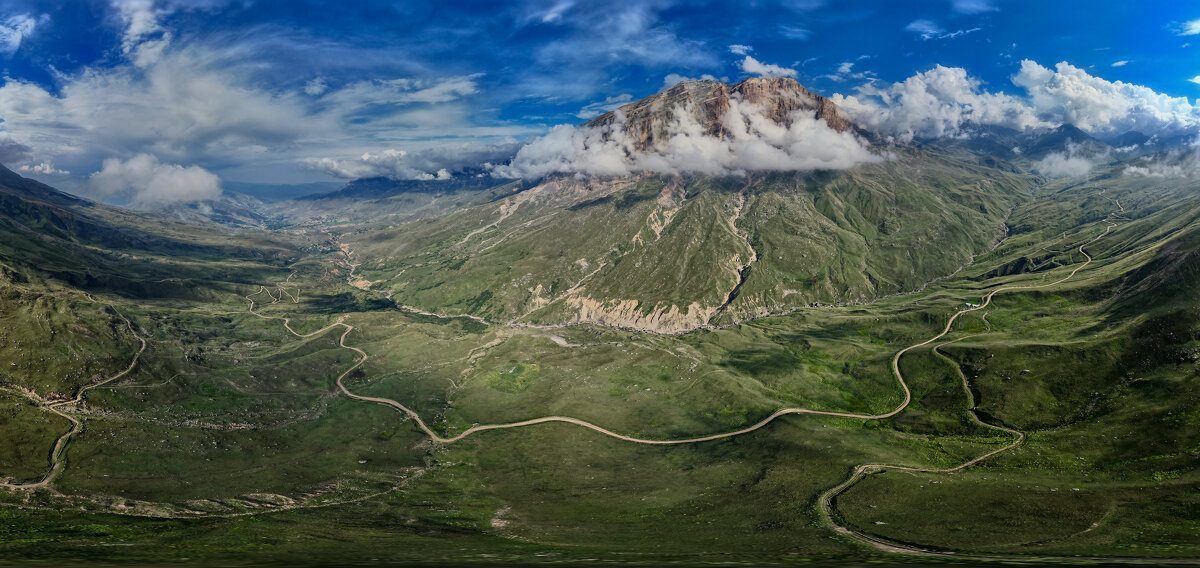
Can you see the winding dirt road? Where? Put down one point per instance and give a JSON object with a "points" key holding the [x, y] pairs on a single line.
{"points": [[585, 424], [827, 498], [57, 461]]}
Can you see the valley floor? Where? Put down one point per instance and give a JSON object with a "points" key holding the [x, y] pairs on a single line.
{"points": [[998, 416]]}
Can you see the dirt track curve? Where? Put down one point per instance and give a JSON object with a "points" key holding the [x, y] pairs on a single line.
{"points": [[568, 420], [57, 462], [826, 499]]}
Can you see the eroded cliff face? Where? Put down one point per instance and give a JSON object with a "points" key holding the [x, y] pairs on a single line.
{"points": [[628, 314], [647, 122]]}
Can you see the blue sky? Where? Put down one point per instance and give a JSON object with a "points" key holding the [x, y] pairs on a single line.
{"points": [[292, 91]]}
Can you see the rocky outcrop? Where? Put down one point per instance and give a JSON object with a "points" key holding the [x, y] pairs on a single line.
{"points": [[647, 121], [628, 314]]}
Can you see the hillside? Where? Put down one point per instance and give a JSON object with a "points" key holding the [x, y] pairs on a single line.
{"points": [[938, 353], [676, 253]]}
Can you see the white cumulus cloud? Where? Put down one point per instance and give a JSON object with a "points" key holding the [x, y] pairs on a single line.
{"points": [[44, 168], [147, 183], [940, 102], [1176, 163], [759, 69], [1067, 164], [1068, 94], [934, 104], [754, 143]]}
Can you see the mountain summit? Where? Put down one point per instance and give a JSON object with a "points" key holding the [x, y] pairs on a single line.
{"points": [[649, 120]]}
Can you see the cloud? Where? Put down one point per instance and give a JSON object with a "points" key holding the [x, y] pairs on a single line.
{"points": [[973, 6], [934, 104], [1189, 28], [147, 183], [179, 106], [803, 5], [360, 95], [928, 30], [958, 33], [44, 168], [673, 79], [1066, 164], [794, 32], [551, 13], [15, 29], [13, 150], [754, 143], [755, 67], [1068, 94], [198, 104], [925, 28], [1175, 164], [143, 38], [740, 49], [439, 162], [942, 101], [1195, 79], [600, 36], [598, 108], [140, 19], [1120, 63], [315, 87]]}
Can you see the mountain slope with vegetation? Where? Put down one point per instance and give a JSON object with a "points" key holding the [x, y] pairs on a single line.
{"points": [[402, 371]]}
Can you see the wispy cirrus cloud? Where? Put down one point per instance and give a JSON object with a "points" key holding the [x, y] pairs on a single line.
{"points": [[600, 107], [14, 30], [218, 105], [928, 29], [973, 6]]}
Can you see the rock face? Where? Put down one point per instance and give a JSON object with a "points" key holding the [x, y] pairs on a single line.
{"points": [[647, 121]]}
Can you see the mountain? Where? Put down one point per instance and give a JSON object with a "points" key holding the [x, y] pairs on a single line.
{"points": [[459, 371], [1130, 138], [48, 234], [381, 187], [648, 121], [675, 253], [1065, 138], [271, 192]]}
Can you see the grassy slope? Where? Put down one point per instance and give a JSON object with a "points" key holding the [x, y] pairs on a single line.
{"points": [[227, 411], [670, 243]]}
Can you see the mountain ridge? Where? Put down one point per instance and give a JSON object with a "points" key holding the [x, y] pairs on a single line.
{"points": [[647, 121]]}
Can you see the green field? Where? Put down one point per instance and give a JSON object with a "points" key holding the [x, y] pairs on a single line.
{"points": [[230, 442]]}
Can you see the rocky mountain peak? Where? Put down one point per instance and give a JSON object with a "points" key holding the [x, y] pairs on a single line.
{"points": [[648, 121]]}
